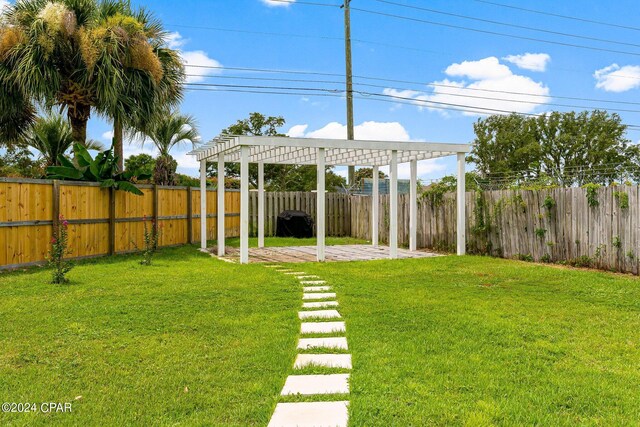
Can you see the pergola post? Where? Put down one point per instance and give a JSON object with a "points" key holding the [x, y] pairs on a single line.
{"points": [[203, 204], [244, 204], [221, 207], [375, 207], [393, 209], [261, 205], [413, 207], [461, 237], [320, 211]]}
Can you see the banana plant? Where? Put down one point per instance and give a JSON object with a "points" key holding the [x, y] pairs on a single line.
{"points": [[102, 169]]}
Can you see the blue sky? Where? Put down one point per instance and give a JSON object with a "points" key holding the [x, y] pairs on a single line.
{"points": [[420, 53]]}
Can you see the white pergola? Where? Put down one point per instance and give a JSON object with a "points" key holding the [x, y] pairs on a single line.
{"points": [[323, 152]]}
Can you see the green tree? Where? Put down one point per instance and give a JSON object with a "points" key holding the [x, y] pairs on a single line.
{"points": [[563, 148], [140, 164], [174, 129], [276, 177], [52, 137], [84, 55], [17, 161], [363, 173]]}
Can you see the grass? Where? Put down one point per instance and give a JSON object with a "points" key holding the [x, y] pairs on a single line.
{"points": [[481, 341], [441, 341], [190, 340]]}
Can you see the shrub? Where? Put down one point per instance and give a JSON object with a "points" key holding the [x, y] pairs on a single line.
{"points": [[546, 258], [524, 257], [151, 236], [60, 267], [581, 261]]}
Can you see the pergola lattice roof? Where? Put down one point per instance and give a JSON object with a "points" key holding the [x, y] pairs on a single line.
{"points": [[338, 152]]}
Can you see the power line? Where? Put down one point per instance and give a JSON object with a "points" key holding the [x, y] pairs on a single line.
{"points": [[506, 24], [495, 33], [438, 85], [426, 103], [557, 15]]}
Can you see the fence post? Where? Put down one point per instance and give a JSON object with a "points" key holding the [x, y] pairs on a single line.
{"points": [[156, 203], [112, 221], [189, 216], [55, 207]]}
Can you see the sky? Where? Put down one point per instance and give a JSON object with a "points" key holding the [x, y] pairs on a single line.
{"points": [[422, 60]]}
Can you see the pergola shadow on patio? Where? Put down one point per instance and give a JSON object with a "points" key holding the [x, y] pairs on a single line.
{"points": [[322, 153]]}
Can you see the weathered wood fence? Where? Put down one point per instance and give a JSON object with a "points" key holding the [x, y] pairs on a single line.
{"points": [[547, 225], [101, 221], [559, 225]]}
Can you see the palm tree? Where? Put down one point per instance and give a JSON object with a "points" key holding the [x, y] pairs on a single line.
{"points": [[168, 131], [52, 137], [84, 55]]}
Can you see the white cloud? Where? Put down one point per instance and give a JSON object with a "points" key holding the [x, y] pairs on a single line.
{"points": [[278, 3], [530, 61], [108, 135], [175, 40], [199, 57], [487, 68], [380, 131], [297, 131], [615, 78], [3, 4], [486, 91]]}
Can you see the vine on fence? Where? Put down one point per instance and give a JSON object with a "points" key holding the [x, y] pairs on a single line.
{"points": [[59, 248], [592, 194], [623, 199]]}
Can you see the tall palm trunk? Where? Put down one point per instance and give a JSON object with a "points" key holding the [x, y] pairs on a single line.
{"points": [[118, 137], [78, 117]]}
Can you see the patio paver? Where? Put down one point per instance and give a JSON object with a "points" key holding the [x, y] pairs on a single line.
{"points": [[316, 288], [318, 295], [320, 304], [321, 314], [322, 327], [311, 414], [316, 384]]}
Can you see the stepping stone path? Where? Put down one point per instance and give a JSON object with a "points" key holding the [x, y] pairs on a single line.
{"points": [[321, 328]]}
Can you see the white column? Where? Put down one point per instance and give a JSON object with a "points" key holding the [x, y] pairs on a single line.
{"points": [[244, 204], [203, 204], [320, 212], [393, 209], [261, 205], [461, 237], [375, 209], [413, 208], [221, 207]]}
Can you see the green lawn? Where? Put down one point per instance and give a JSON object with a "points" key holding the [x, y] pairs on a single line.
{"points": [[131, 340], [480, 341], [438, 341]]}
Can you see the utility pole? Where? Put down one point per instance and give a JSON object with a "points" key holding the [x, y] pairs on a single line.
{"points": [[349, 79]]}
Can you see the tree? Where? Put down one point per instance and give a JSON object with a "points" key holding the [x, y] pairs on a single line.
{"points": [[363, 173], [140, 164], [17, 161], [563, 148], [174, 129], [52, 137], [276, 177], [81, 55]]}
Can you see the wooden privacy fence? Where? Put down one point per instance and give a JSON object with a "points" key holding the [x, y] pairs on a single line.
{"points": [[101, 221], [555, 225]]}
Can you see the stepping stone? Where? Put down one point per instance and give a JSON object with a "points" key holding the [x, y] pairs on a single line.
{"points": [[307, 277], [318, 295], [316, 288], [306, 343], [293, 273], [283, 271], [323, 360], [313, 282], [316, 384], [320, 304], [322, 314], [322, 327], [310, 414], [273, 266]]}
